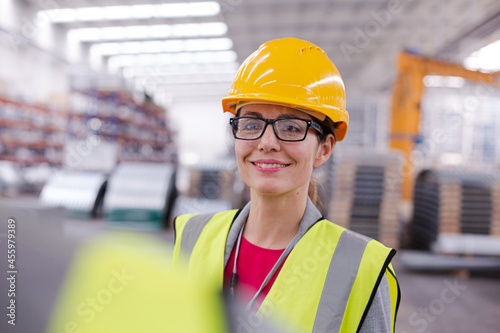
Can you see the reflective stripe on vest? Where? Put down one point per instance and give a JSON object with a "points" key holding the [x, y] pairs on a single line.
{"points": [[193, 232], [339, 281], [326, 284], [205, 259]]}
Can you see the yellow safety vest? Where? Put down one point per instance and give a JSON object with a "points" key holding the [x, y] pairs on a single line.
{"points": [[327, 283], [125, 283]]}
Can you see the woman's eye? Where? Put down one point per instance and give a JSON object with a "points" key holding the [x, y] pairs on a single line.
{"points": [[291, 127], [250, 125]]}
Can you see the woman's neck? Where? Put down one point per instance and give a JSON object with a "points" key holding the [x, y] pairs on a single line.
{"points": [[274, 221]]}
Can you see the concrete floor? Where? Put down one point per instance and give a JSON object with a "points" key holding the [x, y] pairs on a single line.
{"points": [[431, 302], [443, 302]]}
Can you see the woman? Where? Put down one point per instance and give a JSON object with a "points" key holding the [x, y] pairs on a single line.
{"points": [[278, 253]]}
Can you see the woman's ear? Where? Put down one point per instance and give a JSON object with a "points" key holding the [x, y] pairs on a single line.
{"points": [[324, 151]]}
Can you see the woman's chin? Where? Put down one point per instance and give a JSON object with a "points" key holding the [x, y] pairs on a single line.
{"points": [[268, 189]]}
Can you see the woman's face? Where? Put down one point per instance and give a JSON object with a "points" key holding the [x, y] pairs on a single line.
{"points": [[274, 167]]}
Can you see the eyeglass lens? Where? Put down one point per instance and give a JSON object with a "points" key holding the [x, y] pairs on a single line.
{"points": [[286, 129]]}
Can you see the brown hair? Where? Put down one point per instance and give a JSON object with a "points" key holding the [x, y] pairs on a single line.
{"points": [[328, 127], [313, 194], [313, 191]]}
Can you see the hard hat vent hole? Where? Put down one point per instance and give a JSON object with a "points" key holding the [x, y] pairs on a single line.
{"points": [[311, 47]]}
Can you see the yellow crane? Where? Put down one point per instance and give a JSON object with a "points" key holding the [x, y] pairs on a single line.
{"points": [[406, 102]]}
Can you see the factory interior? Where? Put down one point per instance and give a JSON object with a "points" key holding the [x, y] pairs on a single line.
{"points": [[111, 125]]}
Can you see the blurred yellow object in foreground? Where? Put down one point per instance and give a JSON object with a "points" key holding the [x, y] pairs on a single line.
{"points": [[125, 283]]}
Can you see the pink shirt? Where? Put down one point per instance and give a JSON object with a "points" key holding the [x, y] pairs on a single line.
{"points": [[254, 263]]}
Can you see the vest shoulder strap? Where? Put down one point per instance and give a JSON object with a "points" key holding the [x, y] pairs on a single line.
{"points": [[372, 267], [204, 232]]}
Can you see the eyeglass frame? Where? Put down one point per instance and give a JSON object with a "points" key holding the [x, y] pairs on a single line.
{"points": [[310, 124]]}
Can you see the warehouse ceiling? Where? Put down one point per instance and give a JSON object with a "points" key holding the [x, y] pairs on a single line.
{"points": [[362, 37]]}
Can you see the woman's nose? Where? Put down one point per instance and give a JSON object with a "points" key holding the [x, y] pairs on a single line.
{"points": [[269, 141]]}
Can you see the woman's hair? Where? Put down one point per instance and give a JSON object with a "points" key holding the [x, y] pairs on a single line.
{"points": [[313, 194], [328, 127], [313, 191]]}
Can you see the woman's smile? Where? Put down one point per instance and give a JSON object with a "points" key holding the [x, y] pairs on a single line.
{"points": [[265, 165]]}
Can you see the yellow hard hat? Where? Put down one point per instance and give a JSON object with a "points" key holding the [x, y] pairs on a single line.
{"points": [[294, 73]]}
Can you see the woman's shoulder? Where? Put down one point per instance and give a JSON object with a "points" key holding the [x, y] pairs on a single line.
{"points": [[349, 235], [202, 219], [207, 215]]}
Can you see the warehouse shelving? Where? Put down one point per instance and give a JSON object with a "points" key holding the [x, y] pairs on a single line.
{"points": [[31, 134], [138, 130], [34, 134]]}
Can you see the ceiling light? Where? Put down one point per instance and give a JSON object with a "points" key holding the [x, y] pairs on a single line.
{"points": [[117, 12], [173, 10], [204, 8], [90, 14], [201, 77], [444, 81], [174, 69], [485, 59], [119, 61], [213, 29], [148, 32], [189, 9], [170, 46], [199, 29], [143, 11]]}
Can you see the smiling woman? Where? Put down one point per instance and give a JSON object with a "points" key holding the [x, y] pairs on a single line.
{"points": [[278, 254], [279, 159]]}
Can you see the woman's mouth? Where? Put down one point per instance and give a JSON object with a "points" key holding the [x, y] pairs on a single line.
{"points": [[269, 166]]}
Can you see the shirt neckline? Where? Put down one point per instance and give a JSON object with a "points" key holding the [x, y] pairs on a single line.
{"points": [[262, 248]]}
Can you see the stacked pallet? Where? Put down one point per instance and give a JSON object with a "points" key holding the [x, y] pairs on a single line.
{"points": [[366, 195], [454, 202]]}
